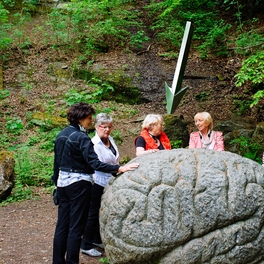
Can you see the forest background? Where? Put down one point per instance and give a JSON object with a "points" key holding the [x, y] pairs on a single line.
{"points": [[40, 40]]}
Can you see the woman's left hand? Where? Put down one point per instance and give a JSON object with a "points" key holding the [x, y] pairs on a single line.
{"points": [[128, 167]]}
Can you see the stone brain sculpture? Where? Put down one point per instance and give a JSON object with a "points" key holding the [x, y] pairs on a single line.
{"points": [[185, 206]]}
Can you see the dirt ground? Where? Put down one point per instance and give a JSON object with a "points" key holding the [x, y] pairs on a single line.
{"points": [[26, 232]]}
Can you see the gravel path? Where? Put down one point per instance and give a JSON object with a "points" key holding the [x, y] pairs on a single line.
{"points": [[26, 232]]}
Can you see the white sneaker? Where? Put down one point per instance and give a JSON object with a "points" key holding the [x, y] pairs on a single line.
{"points": [[99, 245], [92, 252]]}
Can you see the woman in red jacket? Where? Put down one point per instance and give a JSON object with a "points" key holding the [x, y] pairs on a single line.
{"points": [[206, 137], [152, 138]]}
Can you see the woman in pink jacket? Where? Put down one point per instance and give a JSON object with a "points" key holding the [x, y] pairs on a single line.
{"points": [[206, 137]]}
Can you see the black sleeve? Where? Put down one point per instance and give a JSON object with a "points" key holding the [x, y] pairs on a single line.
{"points": [[92, 159], [140, 142], [58, 151]]}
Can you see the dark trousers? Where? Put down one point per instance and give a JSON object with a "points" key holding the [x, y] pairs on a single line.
{"points": [[92, 229], [72, 217]]}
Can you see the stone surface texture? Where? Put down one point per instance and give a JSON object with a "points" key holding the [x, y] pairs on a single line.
{"points": [[7, 175], [185, 206]]}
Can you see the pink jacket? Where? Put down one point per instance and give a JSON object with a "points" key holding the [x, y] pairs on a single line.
{"points": [[196, 142]]}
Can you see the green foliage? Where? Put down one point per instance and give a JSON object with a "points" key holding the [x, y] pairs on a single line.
{"points": [[125, 160], [203, 96], [248, 148], [170, 18], [8, 3], [14, 125], [3, 14], [116, 134], [101, 90], [5, 39], [4, 94], [257, 96], [252, 70], [48, 139], [19, 193], [248, 43], [12, 26], [169, 55], [139, 38], [216, 40], [33, 162], [33, 166], [241, 104], [176, 144], [94, 25], [4, 140], [58, 24], [104, 260], [73, 96]]}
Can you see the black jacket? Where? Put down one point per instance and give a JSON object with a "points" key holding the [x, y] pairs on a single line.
{"points": [[74, 152]]}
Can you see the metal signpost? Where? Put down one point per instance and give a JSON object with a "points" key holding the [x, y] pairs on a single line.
{"points": [[175, 93]]}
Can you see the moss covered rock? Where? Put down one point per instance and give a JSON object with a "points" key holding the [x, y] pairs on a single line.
{"points": [[7, 175]]}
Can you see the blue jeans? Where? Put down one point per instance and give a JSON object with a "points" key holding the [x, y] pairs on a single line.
{"points": [[92, 229], [72, 217]]}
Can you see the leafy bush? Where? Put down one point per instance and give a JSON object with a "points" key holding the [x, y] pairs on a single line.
{"points": [[170, 18], [252, 70], [216, 40], [137, 39], [94, 24], [241, 105], [33, 166], [101, 90], [176, 144], [5, 39], [14, 125], [248, 148], [249, 42], [257, 96]]}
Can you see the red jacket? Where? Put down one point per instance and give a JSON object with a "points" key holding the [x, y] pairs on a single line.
{"points": [[150, 143]]}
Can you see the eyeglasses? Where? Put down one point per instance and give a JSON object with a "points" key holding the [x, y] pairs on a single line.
{"points": [[106, 127]]}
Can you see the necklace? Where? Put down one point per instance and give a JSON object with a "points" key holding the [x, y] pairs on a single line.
{"points": [[105, 141], [156, 139]]}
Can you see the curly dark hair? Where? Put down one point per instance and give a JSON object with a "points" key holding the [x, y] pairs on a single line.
{"points": [[78, 112]]}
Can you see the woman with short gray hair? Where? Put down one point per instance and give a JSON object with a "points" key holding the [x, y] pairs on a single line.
{"points": [[107, 151]]}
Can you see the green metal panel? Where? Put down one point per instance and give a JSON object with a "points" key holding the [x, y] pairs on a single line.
{"points": [[175, 93]]}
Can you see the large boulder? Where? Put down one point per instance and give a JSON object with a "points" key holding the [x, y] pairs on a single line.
{"points": [[7, 175], [242, 136], [176, 129], [258, 135], [185, 206]]}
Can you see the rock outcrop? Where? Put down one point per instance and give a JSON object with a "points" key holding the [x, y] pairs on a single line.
{"points": [[7, 176], [185, 206]]}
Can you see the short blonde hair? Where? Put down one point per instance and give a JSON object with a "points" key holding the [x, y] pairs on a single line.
{"points": [[207, 117], [150, 120]]}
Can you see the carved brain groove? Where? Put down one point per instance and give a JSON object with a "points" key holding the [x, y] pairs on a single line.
{"points": [[185, 206]]}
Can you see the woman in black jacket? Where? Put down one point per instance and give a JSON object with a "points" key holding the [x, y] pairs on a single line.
{"points": [[74, 164]]}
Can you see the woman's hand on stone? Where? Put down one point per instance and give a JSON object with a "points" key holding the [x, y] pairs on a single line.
{"points": [[128, 167], [152, 150]]}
